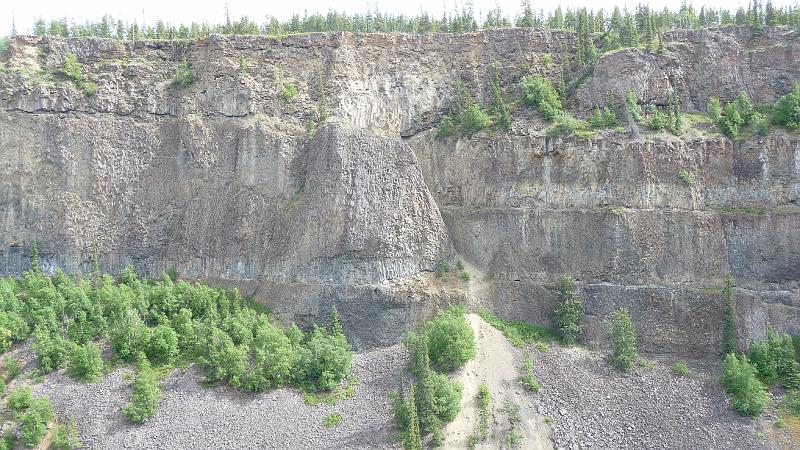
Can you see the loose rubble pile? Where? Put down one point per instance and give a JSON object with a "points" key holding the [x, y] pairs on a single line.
{"points": [[593, 405]]}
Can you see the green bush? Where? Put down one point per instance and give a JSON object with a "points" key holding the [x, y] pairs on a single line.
{"points": [[184, 75], [274, 359], [33, 424], [787, 109], [518, 332], [451, 341], [323, 361], [446, 128], [714, 109], [465, 276], [657, 120], [51, 349], [499, 108], [528, 379], [538, 92], [20, 399], [681, 368], [145, 395], [474, 120], [12, 368], [605, 118], [632, 103], [759, 123], [413, 437], [289, 91], [774, 359], [162, 344], [731, 123], [623, 341], [687, 177], [747, 393], [65, 437], [569, 312], [332, 419], [85, 362], [71, 69]]}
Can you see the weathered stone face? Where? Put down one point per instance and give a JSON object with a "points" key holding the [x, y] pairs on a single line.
{"points": [[342, 195]]}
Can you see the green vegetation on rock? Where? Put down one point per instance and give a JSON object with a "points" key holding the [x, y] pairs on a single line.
{"points": [[623, 341]]}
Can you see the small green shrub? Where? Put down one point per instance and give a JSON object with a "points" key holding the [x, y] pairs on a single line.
{"points": [[332, 419], [687, 177], [465, 275], [11, 367], [289, 91], [632, 103], [446, 128], [20, 399], [714, 109], [564, 123], [451, 341], [774, 359], [244, 64], [145, 395], [657, 120], [759, 123], [33, 424], [85, 362], [184, 75], [528, 379], [787, 109], [569, 312], [71, 69], [474, 120], [89, 88], [538, 92], [459, 265], [747, 393], [66, 437], [518, 332], [681, 368], [623, 341], [512, 411], [605, 118]]}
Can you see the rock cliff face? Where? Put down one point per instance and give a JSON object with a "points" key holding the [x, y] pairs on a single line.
{"points": [[342, 195]]}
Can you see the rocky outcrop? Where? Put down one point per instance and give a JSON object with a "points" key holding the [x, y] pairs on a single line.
{"points": [[341, 195]]}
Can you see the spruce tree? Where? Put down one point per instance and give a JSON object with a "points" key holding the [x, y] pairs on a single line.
{"points": [[623, 341], [569, 313], [425, 394], [413, 440]]}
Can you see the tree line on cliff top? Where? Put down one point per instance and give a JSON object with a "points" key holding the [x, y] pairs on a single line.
{"points": [[630, 26]]}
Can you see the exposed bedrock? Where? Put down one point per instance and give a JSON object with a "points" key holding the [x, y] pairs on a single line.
{"points": [[341, 195]]}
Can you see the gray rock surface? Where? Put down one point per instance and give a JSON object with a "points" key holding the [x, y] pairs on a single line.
{"points": [[592, 405], [341, 193], [193, 417]]}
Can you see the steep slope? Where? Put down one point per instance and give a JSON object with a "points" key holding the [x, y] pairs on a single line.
{"points": [[340, 195]]}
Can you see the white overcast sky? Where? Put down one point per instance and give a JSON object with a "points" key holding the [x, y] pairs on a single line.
{"points": [[177, 11]]}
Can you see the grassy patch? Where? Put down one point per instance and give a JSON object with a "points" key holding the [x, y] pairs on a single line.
{"points": [[332, 397], [333, 419], [746, 210], [518, 332], [681, 368]]}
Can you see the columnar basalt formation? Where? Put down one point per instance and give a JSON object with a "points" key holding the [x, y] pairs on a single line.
{"points": [[341, 194]]}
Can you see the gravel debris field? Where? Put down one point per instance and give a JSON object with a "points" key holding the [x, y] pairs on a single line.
{"points": [[593, 405], [193, 417]]}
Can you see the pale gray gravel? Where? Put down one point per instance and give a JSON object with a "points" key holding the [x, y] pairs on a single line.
{"points": [[593, 405], [193, 417]]}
